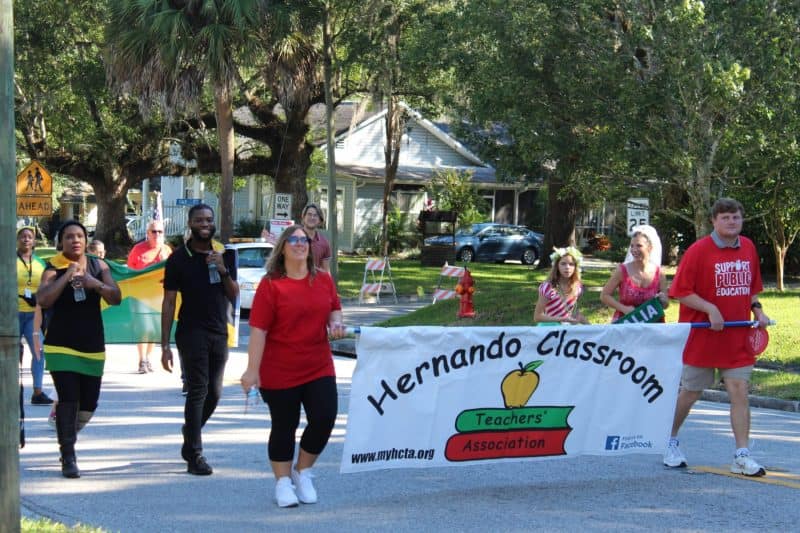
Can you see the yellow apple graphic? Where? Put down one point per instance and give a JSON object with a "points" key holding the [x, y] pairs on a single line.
{"points": [[518, 385]]}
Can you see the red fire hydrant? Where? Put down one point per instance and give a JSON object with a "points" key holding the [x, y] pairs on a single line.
{"points": [[465, 288]]}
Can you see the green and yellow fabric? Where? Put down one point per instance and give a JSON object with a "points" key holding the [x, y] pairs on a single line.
{"points": [[138, 317]]}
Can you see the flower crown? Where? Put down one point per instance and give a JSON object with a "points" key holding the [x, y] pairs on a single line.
{"points": [[558, 253]]}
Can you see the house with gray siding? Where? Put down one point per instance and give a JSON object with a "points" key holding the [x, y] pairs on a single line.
{"points": [[425, 149]]}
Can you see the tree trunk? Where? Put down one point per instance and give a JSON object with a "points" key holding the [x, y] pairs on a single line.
{"points": [[293, 159], [780, 258], [111, 226], [224, 111], [391, 153], [327, 53], [700, 198], [562, 210], [698, 187]]}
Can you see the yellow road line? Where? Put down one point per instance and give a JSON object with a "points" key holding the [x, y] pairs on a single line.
{"points": [[784, 479]]}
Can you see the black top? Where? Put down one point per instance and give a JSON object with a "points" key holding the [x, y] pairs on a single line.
{"points": [[77, 325], [204, 305]]}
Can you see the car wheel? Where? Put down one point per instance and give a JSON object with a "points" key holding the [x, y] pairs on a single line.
{"points": [[466, 255], [529, 257]]}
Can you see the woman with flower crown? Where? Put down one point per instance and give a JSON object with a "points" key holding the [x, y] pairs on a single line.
{"points": [[640, 277], [559, 294]]}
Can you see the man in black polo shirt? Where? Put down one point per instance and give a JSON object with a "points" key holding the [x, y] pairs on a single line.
{"points": [[206, 280]]}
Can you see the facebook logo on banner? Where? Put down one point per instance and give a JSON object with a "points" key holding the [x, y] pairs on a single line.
{"points": [[612, 442]]}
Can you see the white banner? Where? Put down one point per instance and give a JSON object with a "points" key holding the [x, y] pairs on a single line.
{"points": [[439, 396]]}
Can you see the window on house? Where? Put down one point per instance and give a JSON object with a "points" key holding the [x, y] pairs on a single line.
{"points": [[408, 201], [489, 198]]}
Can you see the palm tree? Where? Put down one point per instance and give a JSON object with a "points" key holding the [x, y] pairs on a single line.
{"points": [[163, 51]]}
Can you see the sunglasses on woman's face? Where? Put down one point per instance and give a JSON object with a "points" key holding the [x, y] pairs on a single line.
{"points": [[294, 239]]}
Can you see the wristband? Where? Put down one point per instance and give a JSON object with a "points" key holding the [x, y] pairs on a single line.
{"points": [[755, 305]]}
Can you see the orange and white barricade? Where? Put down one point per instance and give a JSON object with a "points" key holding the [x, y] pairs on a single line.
{"points": [[377, 280], [448, 271]]}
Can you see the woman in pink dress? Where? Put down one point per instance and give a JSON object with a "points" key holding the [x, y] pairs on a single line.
{"points": [[640, 277]]}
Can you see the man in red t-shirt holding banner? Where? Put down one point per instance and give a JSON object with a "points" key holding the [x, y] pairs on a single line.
{"points": [[718, 280]]}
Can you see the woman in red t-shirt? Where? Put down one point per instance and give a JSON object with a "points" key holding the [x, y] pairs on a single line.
{"points": [[289, 359], [144, 254], [640, 277]]}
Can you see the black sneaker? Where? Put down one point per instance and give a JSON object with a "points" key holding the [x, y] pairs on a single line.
{"points": [[198, 466], [41, 399]]}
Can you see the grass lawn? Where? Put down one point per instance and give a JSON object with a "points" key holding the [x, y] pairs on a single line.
{"points": [[506, 294], [48, 526]]}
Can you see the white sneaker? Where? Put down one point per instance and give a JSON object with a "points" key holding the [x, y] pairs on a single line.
{"points": [[304, 486], [745, 465], [674, 457], [284, 493]]}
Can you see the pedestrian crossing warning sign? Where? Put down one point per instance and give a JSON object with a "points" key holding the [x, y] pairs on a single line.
{"points": [[34, 180], [34, 191]]}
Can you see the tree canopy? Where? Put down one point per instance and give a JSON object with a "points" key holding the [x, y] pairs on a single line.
{"points": [[67, 119], [678, 101]]}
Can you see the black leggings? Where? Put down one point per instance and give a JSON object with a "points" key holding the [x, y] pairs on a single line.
{"points": [[320, 401], [75, 387]]}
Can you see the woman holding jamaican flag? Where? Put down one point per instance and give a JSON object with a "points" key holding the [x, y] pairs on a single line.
{"points": [[640, 278]]}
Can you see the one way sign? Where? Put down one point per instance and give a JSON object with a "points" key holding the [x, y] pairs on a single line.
{"points": [[283, 206]]}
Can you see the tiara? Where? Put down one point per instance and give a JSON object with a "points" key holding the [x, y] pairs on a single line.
{"points": [[558, 253]]}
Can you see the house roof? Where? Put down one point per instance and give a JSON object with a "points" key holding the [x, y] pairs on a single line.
{"points": [[345, 116], [422, 175], [416, 174], [432, 128]]}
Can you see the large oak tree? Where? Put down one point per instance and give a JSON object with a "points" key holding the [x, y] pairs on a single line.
{"points": [[68, 120], [541, 79]]}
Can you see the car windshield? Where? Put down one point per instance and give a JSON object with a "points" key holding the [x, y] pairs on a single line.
{"points": [[253, 257]]}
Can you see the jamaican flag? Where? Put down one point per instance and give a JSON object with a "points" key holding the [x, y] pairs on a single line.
{"points": [[138, 317], [648, 312]]}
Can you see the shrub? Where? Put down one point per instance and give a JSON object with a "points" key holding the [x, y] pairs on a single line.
{"points": [[402, 235], [247, 227]]}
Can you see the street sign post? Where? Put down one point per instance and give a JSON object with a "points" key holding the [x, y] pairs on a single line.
{"points": [[638, 213], [283, 206], [34, 191]]}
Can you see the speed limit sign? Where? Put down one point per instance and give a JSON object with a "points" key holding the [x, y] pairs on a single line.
{"points": [[638, 213]]}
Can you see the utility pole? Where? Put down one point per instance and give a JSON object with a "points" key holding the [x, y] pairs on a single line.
{"points": [[9, 326]]}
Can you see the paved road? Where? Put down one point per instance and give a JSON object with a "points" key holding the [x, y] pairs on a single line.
{"points": [[134, 480]]}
